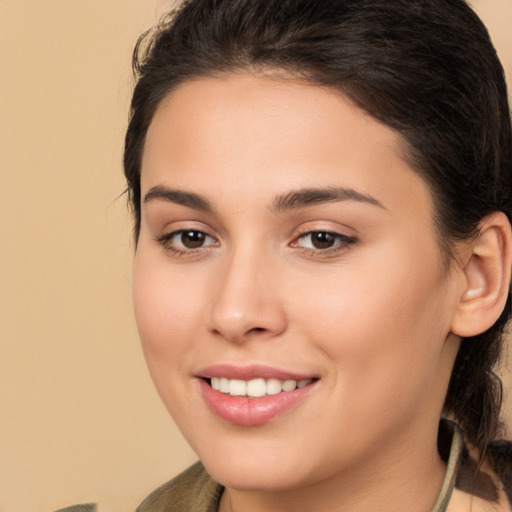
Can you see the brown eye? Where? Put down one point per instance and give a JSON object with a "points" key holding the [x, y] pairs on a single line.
{"points": [[193, 239], [186, 240], [322, 240]]}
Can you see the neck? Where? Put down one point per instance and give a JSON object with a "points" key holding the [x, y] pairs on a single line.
{"points": [[406, 475]]}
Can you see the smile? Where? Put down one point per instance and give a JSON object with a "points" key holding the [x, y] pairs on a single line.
{"points": [[256, 388], [255, 395]]}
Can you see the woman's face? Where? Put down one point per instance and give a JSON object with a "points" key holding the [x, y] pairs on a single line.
{"points": [[287, 252]]}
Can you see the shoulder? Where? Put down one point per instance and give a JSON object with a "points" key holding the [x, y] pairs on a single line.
{"points": [[193, 490], [85, 507], [486, 487], [500, 453]]}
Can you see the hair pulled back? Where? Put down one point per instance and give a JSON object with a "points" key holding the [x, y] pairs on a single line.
{"points": [[426, 68]]}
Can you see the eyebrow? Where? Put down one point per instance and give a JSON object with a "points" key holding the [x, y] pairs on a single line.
{"points": [[188, 199], [308, 197], [293, 200]]}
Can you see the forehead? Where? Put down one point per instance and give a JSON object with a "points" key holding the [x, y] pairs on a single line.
{"points": [[261, 134], [254, 104]]}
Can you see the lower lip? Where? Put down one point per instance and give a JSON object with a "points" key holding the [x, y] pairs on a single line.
{"points": [[247, 412]]}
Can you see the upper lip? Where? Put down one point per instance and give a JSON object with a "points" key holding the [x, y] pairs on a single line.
{"points": [[249, 372]]}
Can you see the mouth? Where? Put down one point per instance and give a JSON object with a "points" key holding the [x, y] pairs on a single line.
{"points": [[256, 388], [253, 396]]}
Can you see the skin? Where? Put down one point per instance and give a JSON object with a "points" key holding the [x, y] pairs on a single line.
{"points": [[370, 317]]}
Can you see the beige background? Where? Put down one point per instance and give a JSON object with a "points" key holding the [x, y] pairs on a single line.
{"points": [[79, 419]]}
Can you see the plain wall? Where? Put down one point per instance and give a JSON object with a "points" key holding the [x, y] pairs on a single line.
{"points": [[79, 418]]}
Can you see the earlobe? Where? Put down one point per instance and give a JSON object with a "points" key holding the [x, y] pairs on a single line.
{"points": [[486, 272]]}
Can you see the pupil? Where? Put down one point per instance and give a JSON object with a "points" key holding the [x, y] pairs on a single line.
{"points": [[323, 240], [192, 239]]}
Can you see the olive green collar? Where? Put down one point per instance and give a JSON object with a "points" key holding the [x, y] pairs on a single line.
{"points": [[452, 468]]}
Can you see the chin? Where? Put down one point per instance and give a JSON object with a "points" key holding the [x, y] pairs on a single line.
{"points": [[253, 477], [256, 466]]}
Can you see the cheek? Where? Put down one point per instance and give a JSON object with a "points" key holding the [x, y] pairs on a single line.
{"points": [[383, 325], [167, 312]]}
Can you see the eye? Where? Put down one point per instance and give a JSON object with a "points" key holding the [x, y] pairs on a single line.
{"points": [[319, 240], [185, 240], [323, 241]]}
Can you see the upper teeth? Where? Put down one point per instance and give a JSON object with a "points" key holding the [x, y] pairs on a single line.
{"points": [[256, 387]]}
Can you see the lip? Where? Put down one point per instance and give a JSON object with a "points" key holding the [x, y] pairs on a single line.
{"points": [[250, 372], [245, 411]]}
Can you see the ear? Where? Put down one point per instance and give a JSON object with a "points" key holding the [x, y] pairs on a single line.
{"points": [[486, 268]]}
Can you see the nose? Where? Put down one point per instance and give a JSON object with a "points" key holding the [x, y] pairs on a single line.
{"points": [[246, 300]]}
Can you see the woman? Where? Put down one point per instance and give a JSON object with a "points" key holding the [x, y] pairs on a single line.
{"points": [[322, 203]]}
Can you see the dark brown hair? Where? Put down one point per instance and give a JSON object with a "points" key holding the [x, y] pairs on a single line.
{"points": [[426, 68]]}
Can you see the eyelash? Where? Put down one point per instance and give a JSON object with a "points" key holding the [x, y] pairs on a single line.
{"points": [[166, 242], [342, 243]]}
